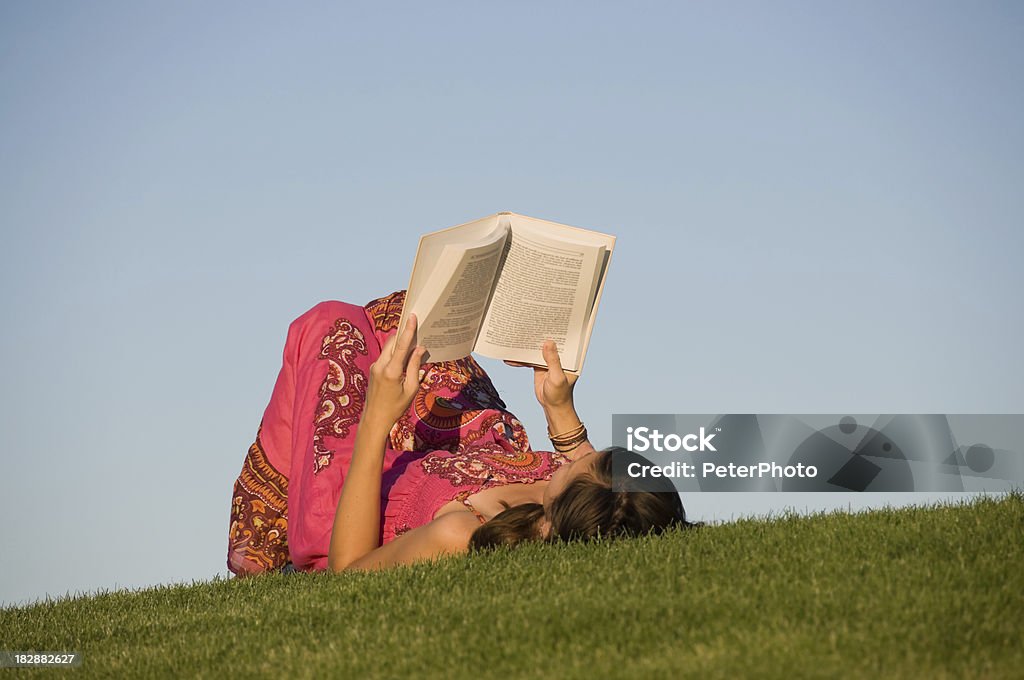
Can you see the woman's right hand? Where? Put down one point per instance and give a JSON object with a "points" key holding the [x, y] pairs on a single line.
{"points": [[552, 385], [394, 377]]}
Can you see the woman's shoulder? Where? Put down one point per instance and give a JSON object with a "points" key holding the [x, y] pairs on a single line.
{"points": [[453, 530]]}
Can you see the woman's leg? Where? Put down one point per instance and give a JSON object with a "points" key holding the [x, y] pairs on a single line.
{"points": [[258, 531], [279, 509]]}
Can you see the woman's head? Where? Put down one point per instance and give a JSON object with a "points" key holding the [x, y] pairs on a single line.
{"points": [[580, 503], [589, 506]]}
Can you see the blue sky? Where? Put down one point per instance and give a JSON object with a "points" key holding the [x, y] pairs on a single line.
{"points": [[819, 209]]}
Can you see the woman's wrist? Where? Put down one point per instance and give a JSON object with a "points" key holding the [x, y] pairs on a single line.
{"points": [[561, 418], [374, 427], [567, 432]]}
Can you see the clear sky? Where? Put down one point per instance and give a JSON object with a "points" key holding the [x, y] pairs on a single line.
{"points": [[819, 210]]}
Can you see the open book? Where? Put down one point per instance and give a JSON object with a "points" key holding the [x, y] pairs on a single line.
{"points": [[501, 285]]}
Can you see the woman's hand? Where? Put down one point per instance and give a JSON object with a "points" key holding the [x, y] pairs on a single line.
{"points": [[552, 385], [394, 377]]}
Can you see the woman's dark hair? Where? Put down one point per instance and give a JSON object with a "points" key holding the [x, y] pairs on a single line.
{"points": [[589, 507], [512, 525]]}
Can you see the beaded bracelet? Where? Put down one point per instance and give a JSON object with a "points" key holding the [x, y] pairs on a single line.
{"points": [[567, 441], [564, 448], [565, 435]]}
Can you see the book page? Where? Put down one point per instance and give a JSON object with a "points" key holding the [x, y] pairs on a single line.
{"points": [[543, 291], [449, 311], [428, 273], [595, 291], [565, 232]]}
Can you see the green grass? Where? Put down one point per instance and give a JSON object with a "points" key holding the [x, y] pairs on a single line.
{"points": [[914, 592]]}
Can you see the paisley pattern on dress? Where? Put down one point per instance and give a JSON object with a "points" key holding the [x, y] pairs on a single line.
{"points": [[409, 434], [258, 534], [490, 463], [464, 376], [386, 312], [343, 391]]}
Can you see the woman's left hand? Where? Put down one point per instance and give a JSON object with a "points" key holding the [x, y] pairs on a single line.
{"points": [[394, 377], [552, 385]]}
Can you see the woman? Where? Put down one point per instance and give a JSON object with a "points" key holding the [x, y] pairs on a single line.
{"points": [[367, 457]]}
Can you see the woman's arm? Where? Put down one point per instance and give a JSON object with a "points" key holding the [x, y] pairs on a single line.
{"points": [[394, 381], [554, 390], [449, 534]]}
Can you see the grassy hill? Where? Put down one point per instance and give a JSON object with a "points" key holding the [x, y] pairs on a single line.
{"points": [[919, 592]]}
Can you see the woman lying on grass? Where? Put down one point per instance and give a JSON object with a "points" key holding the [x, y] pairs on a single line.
{"points": [[368, 457]]}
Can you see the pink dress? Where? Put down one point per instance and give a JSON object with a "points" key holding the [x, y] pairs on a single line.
{"points": [[457, 438]]}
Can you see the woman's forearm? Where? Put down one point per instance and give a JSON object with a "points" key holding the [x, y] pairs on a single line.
{"points": [[356, 529]]}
